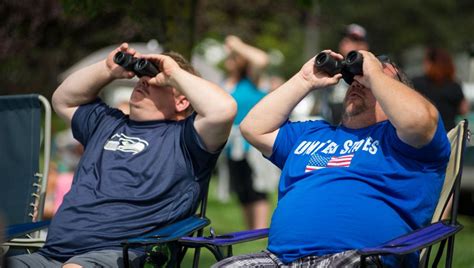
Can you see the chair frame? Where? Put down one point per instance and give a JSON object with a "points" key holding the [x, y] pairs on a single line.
{"points": [[46, 153], [13, 232], [172, 234]]}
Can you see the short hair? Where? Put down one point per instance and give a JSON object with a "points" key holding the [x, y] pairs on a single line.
{"points": [[355, 32], [185, 65], [182, 62], [400, 74]]}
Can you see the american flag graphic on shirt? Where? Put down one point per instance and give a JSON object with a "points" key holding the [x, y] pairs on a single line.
{"points": [[318, 161]]}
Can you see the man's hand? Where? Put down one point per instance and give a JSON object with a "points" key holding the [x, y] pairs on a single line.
{"points": [[372, 67], [84, 85], [314, 78], [116, 71], [167, 67]]}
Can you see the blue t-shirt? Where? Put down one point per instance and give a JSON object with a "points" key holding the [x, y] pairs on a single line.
{"points": [[133, 178], [344, 189]]}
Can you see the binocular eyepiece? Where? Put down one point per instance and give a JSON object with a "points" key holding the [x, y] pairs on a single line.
{"points": [[141, 67], [349, 67]]}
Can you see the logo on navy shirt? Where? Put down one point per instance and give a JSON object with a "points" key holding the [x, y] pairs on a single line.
{"points": [[123, 143]]}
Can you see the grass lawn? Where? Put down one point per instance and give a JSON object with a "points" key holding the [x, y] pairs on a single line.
{"points": [[227, 218]]}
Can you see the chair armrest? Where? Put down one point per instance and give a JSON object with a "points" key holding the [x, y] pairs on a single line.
{"points": [[415, 240], [226, 239], [18, 230], [170, 232]]}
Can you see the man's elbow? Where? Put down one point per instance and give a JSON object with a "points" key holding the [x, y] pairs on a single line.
{"points": [[225, 112], [61, 106], [231, 109], [423, 127], [56, 101], [247, 129]]}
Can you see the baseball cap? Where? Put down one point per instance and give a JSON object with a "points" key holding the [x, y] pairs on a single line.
{"points": [[355, 32]]}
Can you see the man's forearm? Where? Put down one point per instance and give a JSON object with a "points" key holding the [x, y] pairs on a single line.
{"points": [[413, 116], [215, 108], [207, 99], [81, 87], [261, 124]]}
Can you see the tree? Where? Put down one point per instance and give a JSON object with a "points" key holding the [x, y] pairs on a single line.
{"points": [[39, 41]]}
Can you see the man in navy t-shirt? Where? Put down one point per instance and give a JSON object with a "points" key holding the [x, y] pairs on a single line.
{"points": [[376, 176], [138, 172]]}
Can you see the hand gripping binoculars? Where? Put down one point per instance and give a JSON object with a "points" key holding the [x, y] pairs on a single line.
{"points": [[141, 67], [349, 67]]}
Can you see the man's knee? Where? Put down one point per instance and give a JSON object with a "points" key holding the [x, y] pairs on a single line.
{"points": [[31, 260]]}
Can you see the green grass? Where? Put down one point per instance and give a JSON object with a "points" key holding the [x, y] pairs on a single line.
{"points": [[463, 245], [226, 218]]}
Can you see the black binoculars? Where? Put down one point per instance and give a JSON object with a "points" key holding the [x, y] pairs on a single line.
{"points": [[349, 67], [141, 67]]}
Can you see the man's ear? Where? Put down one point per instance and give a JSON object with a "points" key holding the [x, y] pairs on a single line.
{"points": [[181, 103]]}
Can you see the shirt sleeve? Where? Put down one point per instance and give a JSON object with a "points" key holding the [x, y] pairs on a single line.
{"points": [[435, 153], [203, 161], [88, 117], [288, 134]]}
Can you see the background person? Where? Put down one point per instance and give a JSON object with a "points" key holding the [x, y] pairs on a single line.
{"points": [[244, 65], [138, 172], [438, 83], [349, 186], [354, 37], [68, 152]]}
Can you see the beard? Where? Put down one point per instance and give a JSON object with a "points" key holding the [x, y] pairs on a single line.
{"points": [[354, 106]]}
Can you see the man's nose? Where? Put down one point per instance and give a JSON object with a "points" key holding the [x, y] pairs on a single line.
{"points": [[143, 81], [356, 84]]}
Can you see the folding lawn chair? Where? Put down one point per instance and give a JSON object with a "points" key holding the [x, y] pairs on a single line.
{"points": [[439, 231], [23, 186], [163, 246], [19, 162]]}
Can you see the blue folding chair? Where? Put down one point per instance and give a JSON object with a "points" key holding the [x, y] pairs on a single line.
{"points": [[172, 251], [22, 181], [440, 230]]}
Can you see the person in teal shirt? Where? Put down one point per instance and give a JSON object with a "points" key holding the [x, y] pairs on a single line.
{"points": [[244, 66]]}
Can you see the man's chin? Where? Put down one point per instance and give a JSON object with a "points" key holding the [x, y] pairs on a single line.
{"points": [[137, 96], [353, 109]]}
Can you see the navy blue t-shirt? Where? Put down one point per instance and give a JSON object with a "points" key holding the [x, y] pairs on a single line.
{"points": [[133, 178]]}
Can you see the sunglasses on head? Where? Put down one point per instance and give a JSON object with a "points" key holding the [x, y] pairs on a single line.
{"points": [[384, 59]]}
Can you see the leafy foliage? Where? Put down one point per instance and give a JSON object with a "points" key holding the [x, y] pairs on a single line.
{"points": [[40, 40]]}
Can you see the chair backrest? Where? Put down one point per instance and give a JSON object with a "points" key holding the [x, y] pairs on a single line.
{"points": [[448, 201], [23, 186], [458, 139]]}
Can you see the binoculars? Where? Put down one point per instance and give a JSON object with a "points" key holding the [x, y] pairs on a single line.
{"points": [[141, 67], [349, 67]]}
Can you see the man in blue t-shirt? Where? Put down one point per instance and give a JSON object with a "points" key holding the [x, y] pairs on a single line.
{"points": [[138, 172], [376, 176]]}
